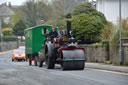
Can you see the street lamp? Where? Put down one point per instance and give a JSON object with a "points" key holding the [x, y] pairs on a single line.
{"points": [[120, 23]]}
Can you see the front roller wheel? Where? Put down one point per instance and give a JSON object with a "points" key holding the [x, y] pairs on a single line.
{"points": [[73, 59], [73, 65]]}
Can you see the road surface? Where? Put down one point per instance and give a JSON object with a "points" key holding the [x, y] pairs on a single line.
{"points": [[20, 73]]}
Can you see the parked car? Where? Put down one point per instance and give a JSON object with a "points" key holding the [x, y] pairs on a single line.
{"points": [[18, 55], [22, 48]]}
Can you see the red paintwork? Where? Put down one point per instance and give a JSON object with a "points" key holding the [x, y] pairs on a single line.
{"points": [[34, 60], [29, 60]]}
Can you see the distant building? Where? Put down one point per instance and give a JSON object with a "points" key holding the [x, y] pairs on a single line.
{"points": [[5, 13], [110, 8]]}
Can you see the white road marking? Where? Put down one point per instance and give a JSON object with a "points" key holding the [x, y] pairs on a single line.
{"points": [[121, 73]]}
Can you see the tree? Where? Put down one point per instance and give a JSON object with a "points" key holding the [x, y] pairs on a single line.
{"points": [[34, 12], [87, 28], [87, 23], [19, 28], [9, 5], [63, 7], [87, 8]]}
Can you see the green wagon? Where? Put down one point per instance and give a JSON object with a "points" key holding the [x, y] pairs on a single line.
{"points": [[34, 39]]}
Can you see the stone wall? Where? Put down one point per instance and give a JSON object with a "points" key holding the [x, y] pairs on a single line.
{"points": [[4, 46], [95, 54], [101, 54], [125, 53]]}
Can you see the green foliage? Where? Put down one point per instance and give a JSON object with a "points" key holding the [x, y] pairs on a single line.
{"points": [[6, 25], [18, 14], [87, 8], [34, 12], [87, 28], [125, 24], [9, 38], [87, 23], [7, 31], [126, 64], [9, 4], [107, 62], [115, 40], [19, 28], [96, 45], [107, 31], [105, 42]]}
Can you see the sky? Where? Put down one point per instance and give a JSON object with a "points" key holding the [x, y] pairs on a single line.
{"points": [[13, 2], [16, 2]]}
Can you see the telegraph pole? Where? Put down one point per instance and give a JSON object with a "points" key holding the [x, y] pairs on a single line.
{"points": [[1, 34], [120, 23]]}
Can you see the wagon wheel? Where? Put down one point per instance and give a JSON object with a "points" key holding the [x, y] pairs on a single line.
{"points": [[30, 60], [35, 60]]}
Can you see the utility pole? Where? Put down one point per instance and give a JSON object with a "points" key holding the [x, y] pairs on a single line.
{"points": [[1, 34], [120, 23]]}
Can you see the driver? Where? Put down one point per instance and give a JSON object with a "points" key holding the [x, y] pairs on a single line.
{"points": [[53, 33]]}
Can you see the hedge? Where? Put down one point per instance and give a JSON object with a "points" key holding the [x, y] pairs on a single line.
{"points": [[9, 38]]}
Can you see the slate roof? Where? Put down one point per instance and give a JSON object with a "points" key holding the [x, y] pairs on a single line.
{"points": [[5, 11]]}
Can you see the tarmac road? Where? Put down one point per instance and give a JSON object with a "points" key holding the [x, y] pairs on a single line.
{"points": [[20, 73]]}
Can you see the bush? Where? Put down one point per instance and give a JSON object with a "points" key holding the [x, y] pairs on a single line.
{"points": [[87, 28], [115, 40], [7, 31], [107, 31], [96, 45], [105, 42], [87, 23], [9, 38]]}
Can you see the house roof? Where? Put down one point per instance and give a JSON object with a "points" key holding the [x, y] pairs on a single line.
{"points": [[5, 11]]}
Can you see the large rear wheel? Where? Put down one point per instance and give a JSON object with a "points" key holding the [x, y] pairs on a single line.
{"points": [[49, 55]]}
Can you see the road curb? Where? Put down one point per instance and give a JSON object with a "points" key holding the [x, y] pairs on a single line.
{"points": [[122, 69], [5, 52]]}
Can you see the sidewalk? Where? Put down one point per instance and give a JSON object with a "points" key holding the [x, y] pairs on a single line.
{"points": [[4, 52], [123, 69]]}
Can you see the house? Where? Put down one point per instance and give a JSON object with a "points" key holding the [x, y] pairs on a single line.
{"points": [[5, 13], [110, 8]]}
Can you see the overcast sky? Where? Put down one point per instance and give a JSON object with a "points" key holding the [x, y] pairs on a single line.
{"points": [[16, 2]]}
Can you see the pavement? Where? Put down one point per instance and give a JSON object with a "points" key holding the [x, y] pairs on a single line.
{"points": [[101, 66], [4, 52]]}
